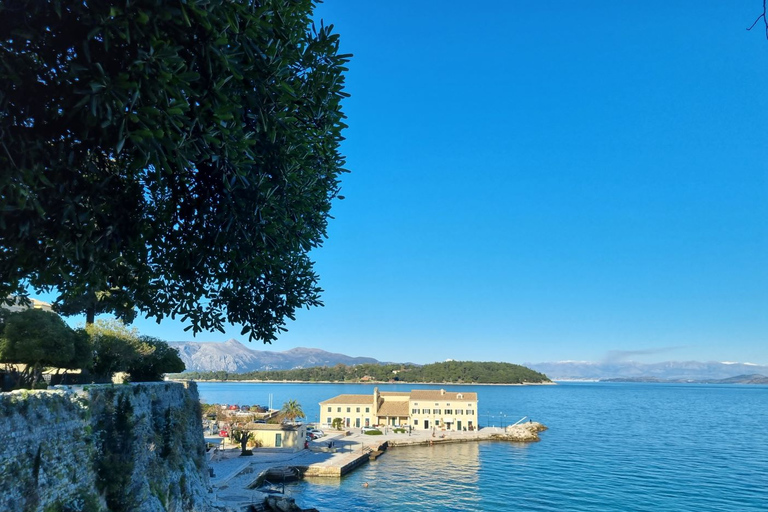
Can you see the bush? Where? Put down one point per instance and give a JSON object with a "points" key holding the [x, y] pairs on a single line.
{"points": [[399, 431], [373, 432]]}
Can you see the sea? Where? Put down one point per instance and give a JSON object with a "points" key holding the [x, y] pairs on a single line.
{"points": [[609, 447]]}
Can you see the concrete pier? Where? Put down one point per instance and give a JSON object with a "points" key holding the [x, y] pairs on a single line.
{"points": [[235, 476]]}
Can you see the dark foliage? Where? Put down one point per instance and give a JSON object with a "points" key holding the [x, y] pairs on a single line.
{"points": [[177, 157], [40, 339], [447, 372], [155, 359]]}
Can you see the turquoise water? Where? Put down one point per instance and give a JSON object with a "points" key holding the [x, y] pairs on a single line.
{"points": [[610, 447]]}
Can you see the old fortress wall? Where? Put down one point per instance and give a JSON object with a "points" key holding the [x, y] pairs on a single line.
{"points": [[135, 447]]}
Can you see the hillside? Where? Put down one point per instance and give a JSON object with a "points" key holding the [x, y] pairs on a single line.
{"points": [[233, 356], [460, 372]]}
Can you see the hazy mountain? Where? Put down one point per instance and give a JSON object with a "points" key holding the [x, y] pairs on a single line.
{"points": [[670, 370], [233, 356], [739, 379]]}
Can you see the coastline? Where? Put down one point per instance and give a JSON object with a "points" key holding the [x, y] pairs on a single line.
{"points": [[235, 478], [376, 382]]}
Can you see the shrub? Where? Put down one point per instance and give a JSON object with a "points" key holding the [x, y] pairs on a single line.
{"points": [[373, 432]]}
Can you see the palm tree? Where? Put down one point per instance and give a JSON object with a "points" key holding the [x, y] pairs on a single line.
{"points": [[291, 410]]}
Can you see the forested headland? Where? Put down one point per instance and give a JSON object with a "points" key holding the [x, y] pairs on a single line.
{"points": [[449, 372]]}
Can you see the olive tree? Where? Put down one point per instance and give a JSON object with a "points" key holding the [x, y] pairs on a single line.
{"points": [[179, 158], [38, 339]]}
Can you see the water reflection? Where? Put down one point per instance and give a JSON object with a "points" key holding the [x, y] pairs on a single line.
{"points": [[440, 477]]}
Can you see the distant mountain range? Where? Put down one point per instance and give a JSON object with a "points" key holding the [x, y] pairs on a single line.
{"points": [[739, 379], [233, 356], [683, 371]]}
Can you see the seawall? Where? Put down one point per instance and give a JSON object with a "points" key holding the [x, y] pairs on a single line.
{"points": [[135, 447]]}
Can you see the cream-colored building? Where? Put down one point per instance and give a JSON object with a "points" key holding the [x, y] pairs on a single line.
{"points": [[33, 304], [288, 437], [419, 409]]}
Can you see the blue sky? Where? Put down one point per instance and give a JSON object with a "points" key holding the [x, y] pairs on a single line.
{"points": [[539, 181]]}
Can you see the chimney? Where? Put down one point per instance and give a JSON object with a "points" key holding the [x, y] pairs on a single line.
{"points": [[442, 391]]}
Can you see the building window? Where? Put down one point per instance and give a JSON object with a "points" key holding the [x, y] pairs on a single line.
{"points": [[425, 411], [470, 412], [329, 421], [414, 411], [367, 409], [415, 422], [338, 409], [329, 409], [348, 409], [436, 411], [448, 411], [460, 412]]}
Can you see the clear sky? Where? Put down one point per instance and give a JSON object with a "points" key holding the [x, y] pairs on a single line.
{"points": [[539, 181]]}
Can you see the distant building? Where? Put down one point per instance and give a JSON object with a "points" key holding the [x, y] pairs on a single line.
{"points": [[419, 409], [34, 304]]}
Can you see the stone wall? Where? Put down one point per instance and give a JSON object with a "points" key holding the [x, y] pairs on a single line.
{"points": [[136, 447]]}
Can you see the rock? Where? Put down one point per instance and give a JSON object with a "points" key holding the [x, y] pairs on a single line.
{"points": [[522, 432]]}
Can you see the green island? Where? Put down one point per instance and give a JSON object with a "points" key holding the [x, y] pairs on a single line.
{"points": [[458, 372]]}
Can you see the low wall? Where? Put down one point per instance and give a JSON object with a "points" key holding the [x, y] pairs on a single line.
{"points": [[136, 447]]}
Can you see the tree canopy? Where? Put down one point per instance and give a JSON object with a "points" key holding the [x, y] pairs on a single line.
{"points": [[36, 340], [118, 348], [40, 339], [180, 158], [155, 359], [447, 372]]}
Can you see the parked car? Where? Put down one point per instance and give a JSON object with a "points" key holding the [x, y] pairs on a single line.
{"points": [[317, 432], [224, 433]]}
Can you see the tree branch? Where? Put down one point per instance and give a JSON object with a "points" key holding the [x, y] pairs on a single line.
{"points": [[765, 20]]}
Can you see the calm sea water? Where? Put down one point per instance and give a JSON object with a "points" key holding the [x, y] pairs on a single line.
{"points": [[610, 447]]}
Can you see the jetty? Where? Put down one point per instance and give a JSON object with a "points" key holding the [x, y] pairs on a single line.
{"points": [[244, 483]]}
